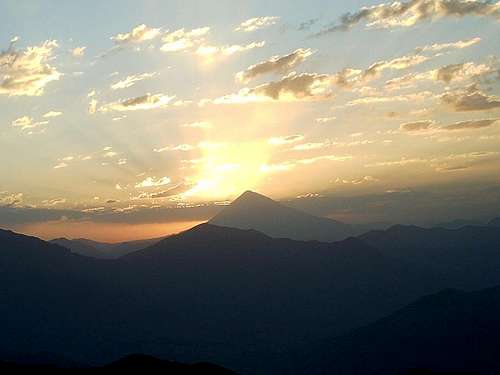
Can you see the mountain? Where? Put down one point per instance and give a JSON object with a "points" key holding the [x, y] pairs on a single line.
{"points": [[448, 331], [255, 211], [104, 250]]}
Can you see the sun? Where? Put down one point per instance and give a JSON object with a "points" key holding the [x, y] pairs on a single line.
{"points": [[227, 170]]}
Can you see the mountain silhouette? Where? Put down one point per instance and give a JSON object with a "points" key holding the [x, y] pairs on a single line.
{"points": [[103, 250], [235, 297], [255, 211], [450, 331]]}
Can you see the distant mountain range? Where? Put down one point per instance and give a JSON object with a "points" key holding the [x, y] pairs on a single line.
{"points": [[104, 250]]}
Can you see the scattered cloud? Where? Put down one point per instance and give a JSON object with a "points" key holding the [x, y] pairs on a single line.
{"points": [[257, 23], [198, 125], [409, 13], [293, 87], [278, 141], [389, 99], [438, 47], [52, 114], [324, 120], [78, 51], [131, 80], [26, 122], [10, 199], [26, 73], [138, 34], [228, 50], [432, 127], [470, 99], [182, 40], [276, 64], [144, 102], [153, 182]]}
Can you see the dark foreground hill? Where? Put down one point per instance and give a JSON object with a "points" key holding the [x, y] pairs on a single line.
{"points": [[134, 362], [451, 331], [234, 297]]}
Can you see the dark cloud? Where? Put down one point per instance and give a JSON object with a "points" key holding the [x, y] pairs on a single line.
{"points": [[470, 99]]}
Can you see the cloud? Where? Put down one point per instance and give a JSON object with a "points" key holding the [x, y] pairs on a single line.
{"points": [[293, 87], [180, 147], [182, 40], [291, 164], [389, 99], [324, 120], [278, 141], [311, 146], [472, 124], [53, 202], [51, 114], [416, 126], [138, 34], [26, 122], [427, 127], [470, 99], [198, 125], [144, 102], [398, 163], [306, 25], [26, 73], [409, 13], [257, 23], [153, 182], [131, 80], [60, 165], [356, 181], [10, 199], [92, 106], [78, 51], [228, 50], [398, 63], [276, 64], [437, 47]]}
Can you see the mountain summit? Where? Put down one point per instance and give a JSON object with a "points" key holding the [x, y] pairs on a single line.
{"points": [[255, 211]]}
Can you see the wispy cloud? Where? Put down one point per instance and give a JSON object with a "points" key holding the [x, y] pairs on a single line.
{"points": [[257, 23], [145, 102], [153, 182], [131, 80]]}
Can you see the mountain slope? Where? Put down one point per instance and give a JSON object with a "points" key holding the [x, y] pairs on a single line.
{"points": [[447, 331], [255, 211]]}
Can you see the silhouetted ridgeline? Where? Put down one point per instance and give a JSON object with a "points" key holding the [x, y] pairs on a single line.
{"points": [[134, 362], [249, 302]]}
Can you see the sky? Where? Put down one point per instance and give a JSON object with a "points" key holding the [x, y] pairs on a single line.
{"points": [[123, 120]]}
